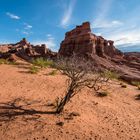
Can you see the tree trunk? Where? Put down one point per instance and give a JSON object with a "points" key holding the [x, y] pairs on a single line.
{"points": [[65, 100]]}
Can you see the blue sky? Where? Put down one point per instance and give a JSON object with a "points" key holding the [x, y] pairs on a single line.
{"points": [[46, 21]]}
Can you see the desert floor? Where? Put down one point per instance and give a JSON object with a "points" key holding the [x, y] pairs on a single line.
{"points": [[25, 100]]}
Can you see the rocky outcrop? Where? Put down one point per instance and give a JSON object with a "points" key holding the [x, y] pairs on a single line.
{"points": [[82, 42], [26, 51]]}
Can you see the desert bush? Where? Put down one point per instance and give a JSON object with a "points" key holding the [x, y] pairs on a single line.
{"points": [[111, 74], [81, 73], [5, 61], [43, 63], [12, 63], [33, 70]]}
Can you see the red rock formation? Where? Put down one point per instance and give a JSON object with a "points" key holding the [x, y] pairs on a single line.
{"points": [[26, 51], [82, 42]]}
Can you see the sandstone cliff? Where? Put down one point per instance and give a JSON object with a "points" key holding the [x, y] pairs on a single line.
{"points": [[82, 42]]}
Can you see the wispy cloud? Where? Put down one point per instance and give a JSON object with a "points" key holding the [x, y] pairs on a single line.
{"points": [[26, 32], [107, 24], [101, 20], [12, 16], [27, 26], [50, 42], [127, 37], [68, 10], [104, 10], [124, 37], [124, 33]]}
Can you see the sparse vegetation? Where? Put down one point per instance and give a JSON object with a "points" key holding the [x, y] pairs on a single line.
{"points": [[5, 61], [135, 83], [33, 70], [111, 74], [81, 73], [43, 63]]}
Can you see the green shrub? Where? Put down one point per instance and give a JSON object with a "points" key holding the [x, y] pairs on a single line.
{"points": [[3, 61], [42, 62], [135, 83], [102, 94], [34, 70], [12, 63], [110, 74]]}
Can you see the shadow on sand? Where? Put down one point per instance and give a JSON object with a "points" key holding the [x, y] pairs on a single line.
{"points": [[13, 109]]}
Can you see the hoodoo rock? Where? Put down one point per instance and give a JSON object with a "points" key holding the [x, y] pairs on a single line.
{"points": [[82, 42]]}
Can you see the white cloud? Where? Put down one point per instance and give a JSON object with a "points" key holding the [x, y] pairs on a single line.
{"points": [[49, 35], [12, 16], [27, 26], [50, 42], [27, 33], [107, 24], [104, 10], [124, 33], [98, 34], [101, 19], [125, 37], [68, 13]]}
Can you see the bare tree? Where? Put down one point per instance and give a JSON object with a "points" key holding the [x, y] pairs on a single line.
{"points": [[81, 73]]}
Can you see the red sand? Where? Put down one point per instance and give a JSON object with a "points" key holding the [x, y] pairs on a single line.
{"points": [[115, 117]]}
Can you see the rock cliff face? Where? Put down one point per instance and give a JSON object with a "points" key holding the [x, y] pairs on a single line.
{"points": [[83, 42], [26, 51]]}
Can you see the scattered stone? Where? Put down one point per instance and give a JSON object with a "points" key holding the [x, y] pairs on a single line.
{"points": [[60, 123], [74, 114]]}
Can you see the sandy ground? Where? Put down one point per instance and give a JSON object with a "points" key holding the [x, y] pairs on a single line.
{"points": [[25, 99]]}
